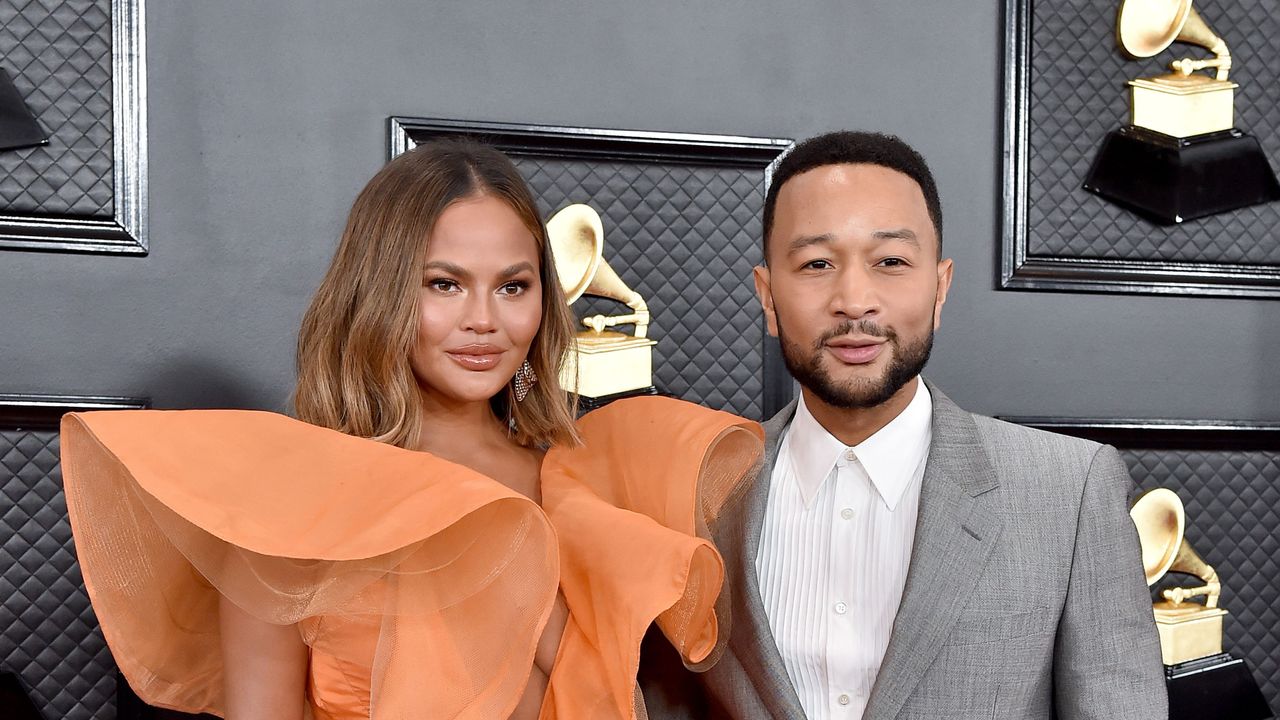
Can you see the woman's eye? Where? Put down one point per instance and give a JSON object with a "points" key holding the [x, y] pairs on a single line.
{"points": [[442, 285], [515, 287]]}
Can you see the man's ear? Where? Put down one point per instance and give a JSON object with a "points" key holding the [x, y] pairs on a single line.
{"points": [[944, 284], [761, 275]]}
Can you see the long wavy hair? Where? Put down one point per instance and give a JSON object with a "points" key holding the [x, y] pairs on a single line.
{"points": [[354, 347]]}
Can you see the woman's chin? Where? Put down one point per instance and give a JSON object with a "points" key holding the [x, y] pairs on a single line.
{"points": [[465, 390]]}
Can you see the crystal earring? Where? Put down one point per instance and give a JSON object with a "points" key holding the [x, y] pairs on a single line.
{"points": [[524, 381]]}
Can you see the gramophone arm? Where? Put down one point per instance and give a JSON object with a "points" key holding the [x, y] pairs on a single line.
{"points": [[1211, 590], [639, 316], [1186, 66], [1222, 60]]}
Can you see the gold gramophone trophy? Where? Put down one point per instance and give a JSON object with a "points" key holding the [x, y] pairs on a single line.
{"points": [[1203, 681], [1181, 157], [605, 364]]}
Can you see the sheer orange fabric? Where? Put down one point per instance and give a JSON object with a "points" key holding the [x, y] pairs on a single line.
{"points": [[420, 586]]}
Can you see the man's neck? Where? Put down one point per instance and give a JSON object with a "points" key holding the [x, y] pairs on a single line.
{"points": [[852, 426]]}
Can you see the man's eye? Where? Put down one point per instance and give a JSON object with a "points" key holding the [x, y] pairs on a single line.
{"points": [[893, 262], [816, 265]]}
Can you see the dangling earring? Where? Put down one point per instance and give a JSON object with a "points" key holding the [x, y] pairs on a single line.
{"points": [[524, 381]]}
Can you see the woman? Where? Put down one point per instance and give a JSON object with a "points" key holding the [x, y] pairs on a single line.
{"points": [[411, 552]]}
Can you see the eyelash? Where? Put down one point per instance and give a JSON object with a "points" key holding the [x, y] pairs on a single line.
{"points": [[447, 285], [889, 262]]}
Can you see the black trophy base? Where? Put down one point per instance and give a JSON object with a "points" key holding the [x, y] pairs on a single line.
{"points": [[1218, 686], [14, 700], [18, 127], [1169, 179], [587, 404]]}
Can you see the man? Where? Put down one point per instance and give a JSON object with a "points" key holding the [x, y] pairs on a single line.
{"points": [[899, 557]]}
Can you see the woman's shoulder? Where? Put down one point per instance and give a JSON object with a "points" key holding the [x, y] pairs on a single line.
{"points": [[663, 416], [652, 454], [276, 485]]}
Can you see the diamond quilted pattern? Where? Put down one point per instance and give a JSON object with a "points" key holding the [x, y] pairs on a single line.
{"points": [[1078, 95], [48, 633], [685, 237], [1233, 521], [59, 54]]}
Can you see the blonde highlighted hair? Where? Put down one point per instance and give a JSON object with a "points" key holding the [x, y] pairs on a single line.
{"points": [[354, 373]]}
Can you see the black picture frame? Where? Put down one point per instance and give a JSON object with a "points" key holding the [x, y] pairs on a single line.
{"points": [[1224, 509], [126, 232], [625, 145], [1126, 433], [1022, 270], [44, 412]]}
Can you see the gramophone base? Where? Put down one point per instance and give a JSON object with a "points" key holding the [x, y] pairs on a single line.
{"points": [[1188, 632], [1169, 179], [608, 363], [587, 404], [1219, 686]]}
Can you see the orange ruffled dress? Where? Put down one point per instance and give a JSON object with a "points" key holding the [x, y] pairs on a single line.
{"points": [[421, 587]]}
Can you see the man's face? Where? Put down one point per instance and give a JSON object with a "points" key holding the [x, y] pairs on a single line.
{"points": [[853, 288]]}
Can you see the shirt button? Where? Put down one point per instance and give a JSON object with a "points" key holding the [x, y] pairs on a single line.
{"points": [[847, 513], [850, 455], [843, 699], [841, 608]]}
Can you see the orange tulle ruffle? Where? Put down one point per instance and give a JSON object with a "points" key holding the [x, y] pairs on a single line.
{"points": [[420, 586]]}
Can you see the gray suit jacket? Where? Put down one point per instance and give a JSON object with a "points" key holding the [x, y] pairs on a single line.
{"points": [[1024, 598]]}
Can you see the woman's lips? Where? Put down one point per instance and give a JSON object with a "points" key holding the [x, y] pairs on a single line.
{"points": [[856, 354], [478, 357]]}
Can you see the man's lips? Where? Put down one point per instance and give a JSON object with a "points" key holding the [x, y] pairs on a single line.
{"points": [[476, 357], [855, 351]]}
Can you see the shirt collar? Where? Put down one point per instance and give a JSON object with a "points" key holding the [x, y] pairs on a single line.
{"points": [[890, 457]]}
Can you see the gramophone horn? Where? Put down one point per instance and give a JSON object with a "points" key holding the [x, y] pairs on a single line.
{"points": [[577, 246], [1147, 27], [1160, 519], [607, 284]]}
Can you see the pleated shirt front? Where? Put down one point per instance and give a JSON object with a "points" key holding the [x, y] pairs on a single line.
{"points": [[834, 549]]}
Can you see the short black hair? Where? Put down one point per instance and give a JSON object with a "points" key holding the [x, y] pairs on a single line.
{"points": [[847, 147]]}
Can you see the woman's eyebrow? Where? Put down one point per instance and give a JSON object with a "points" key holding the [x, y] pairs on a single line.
{"points": [[448, 267], [516, 269]]}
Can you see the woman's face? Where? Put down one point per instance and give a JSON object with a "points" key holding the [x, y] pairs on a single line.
{"points": [[480, 304]]}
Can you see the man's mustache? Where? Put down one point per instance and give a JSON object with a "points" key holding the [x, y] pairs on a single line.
{"points": [[855, 327]]}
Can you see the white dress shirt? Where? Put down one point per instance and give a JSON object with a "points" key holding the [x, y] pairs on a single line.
{"points": [[834, 549]]}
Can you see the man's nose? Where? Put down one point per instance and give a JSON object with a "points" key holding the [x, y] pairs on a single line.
{"points": [[855, 294]]}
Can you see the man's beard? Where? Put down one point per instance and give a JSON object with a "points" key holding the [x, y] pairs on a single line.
{"points": [[808, 369]]}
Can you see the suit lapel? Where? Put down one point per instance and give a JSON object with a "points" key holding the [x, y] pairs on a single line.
{"points": [[956, 530], [737, 536]]}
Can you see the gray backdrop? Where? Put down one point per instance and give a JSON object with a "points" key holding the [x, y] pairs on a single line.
{"points": [[266, 118]]}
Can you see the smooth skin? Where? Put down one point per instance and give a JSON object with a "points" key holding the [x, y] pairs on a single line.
{"points": [[480, 307], [852, 243]]}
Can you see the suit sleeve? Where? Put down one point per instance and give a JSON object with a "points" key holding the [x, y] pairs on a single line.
{"points": [[1107, 655]]}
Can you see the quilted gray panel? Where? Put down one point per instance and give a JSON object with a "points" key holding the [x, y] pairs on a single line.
{"points": [[1233, 521], [48, 633], [59, 54], [1078, 95], [685, 237]]}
